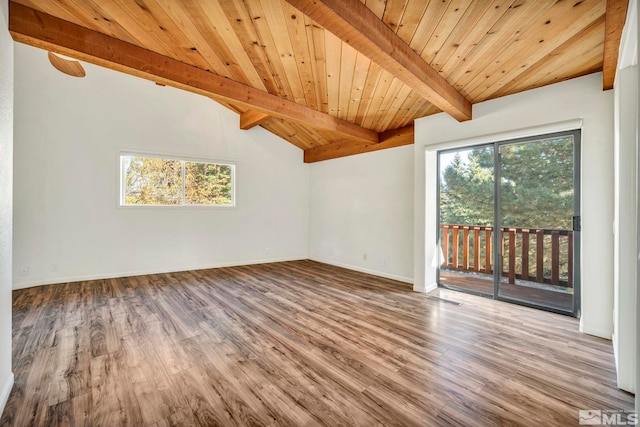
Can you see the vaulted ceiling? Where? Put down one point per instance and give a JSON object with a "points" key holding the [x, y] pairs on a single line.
{"points": [[335, 77]]}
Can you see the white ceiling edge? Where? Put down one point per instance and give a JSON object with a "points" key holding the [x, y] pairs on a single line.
{"points": [[629, 43]]}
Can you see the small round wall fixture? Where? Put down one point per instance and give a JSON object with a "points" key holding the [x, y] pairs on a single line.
{"points": [[66, 65]]}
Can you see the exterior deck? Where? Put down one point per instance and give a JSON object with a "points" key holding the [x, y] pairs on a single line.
{"points": [[483, 283], [535, 264]]}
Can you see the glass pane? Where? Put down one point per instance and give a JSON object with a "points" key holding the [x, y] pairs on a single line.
{"points": [[208, 184], [536, 209], [152, 181], [466, 219]]}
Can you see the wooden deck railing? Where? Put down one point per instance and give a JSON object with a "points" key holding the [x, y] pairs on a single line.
{"points": [[531, 254]]}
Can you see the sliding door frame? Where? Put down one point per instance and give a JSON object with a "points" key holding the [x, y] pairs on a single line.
{"points": [[497, 249]]}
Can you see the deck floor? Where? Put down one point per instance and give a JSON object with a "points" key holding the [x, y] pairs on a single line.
{"points": [[484, 284], [295, 344]]}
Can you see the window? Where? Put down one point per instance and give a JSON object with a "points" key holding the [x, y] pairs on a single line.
{"points": [[157, 181]]}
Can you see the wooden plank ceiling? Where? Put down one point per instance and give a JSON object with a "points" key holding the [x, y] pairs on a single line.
{"points": [[351, 85]]}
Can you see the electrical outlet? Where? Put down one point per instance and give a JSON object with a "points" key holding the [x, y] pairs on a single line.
{"points": [[383, 262], [24, 271], [53, 268], [364, 257]]}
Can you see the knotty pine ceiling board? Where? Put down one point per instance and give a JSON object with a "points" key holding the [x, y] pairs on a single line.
{"points": [[484, 49], [532, 45], [496, 39], [587, 48]]}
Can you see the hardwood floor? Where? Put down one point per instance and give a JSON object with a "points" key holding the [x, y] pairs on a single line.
{"points": [[299, 344]]}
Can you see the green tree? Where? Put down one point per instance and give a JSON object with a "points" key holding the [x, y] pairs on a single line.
{"points": [[536, 182], [466, 195], [207, 183]]}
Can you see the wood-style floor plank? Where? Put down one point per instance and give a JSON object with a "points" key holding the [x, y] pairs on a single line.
{"points": [[295, 344]]}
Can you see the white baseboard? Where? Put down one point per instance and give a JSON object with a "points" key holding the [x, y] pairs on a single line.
{"points": [[425, 289], [602, 333], [365, 270], [113, 275], [6, 391], [616, 356]]}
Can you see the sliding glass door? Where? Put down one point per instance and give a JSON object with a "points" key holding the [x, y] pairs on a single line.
{"points": [[509, 220]]}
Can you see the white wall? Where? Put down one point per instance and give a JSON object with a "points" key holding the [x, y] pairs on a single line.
{"points": [[6, 202], [636, 19], [67, 135], [364, 205], [625, 245], [510, 116], [625, 238]]}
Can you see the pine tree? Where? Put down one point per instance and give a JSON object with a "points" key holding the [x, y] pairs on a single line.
{"points": [[536, 186]]}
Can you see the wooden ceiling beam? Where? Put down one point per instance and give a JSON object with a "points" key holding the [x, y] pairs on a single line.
{"points": [[388, 139], [614, 23], [356, 25], [47, 32], [253, 118]]}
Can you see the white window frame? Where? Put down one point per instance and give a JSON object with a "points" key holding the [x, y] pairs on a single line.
{"points": [[176, 157]]}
